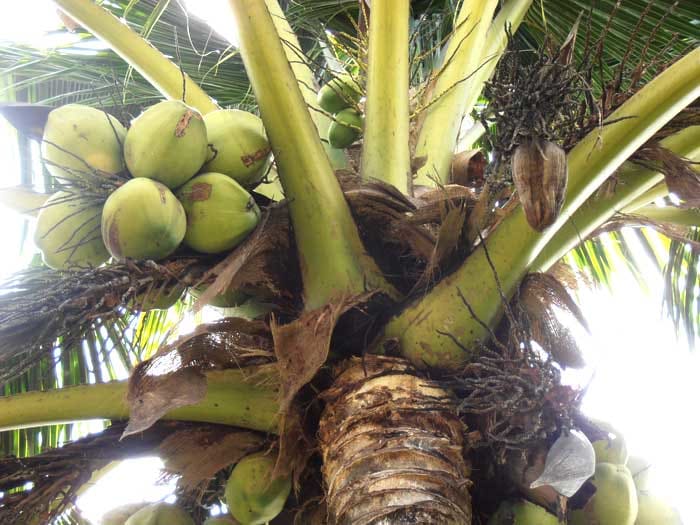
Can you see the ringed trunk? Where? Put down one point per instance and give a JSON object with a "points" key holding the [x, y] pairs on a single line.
{"points": [[392, 447]]}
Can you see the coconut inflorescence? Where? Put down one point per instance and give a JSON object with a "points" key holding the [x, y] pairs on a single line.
{"points": [[68, 233], [239, 145], [167, 143], [80, 141]]}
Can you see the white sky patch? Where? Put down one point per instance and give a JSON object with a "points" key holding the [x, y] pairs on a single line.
{"points": [[219, 16]]}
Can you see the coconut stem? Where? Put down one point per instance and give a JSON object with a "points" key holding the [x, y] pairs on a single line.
{"points": [[443, 328], [385, 153], [332, 259], [438, 136], [163, 74], [232, 399], [632, 182], [305, 79]]}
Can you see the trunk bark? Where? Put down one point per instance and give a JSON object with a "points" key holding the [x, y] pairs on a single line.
{"points": [[392, 448]]}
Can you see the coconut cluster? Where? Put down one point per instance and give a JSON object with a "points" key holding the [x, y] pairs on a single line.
{"points": [[189, 183], [340, 97]]}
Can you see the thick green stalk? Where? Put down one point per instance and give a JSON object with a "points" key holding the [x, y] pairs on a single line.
{"points": [[164, 75], [438, 330], [671, 214], [332, 258], [306, 80], [659, 191], [233, 398], [22, 200], [385, 153], [632, 183], [467, 48]]}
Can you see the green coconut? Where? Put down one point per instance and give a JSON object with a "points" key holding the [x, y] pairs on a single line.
{"points": [[522, 512], [345, 129], [655, 511], [119, 515], [641, 470], [252, 496], [340, 93], [240, 146], [67, 233], [160, 514], [220, 520], [220, 213], [142, 220], [615, 500], [167, 143], [157, 298], [227, 299], [79, 141], [610, 449]]}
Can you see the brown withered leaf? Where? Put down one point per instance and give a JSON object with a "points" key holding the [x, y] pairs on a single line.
{"points": [[196, 454], [538, 300], [468, 168], [682, 176]]}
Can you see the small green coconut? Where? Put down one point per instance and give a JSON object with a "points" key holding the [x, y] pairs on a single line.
{"points": [[167, 143], [226, 299], [522, 512], [240, 146], [611, 449], [157, 298], [160, 514], [142, 220], [655, 511], [68, 233], [220, 520], [252, 496], [80, 141], [615, 500], [345, 129], [119, 515], [220, 213], [340, 93]]}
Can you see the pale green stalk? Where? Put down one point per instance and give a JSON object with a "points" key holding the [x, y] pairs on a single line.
{"points": [[332, 259], [670, 214], [22, 200], [438, 330], [306, 80], [635, 186], [163, 74], [233, 398], [385, 153], [470, 61]]}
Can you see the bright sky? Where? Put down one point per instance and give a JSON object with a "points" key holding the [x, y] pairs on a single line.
{"points": [[645, 381]]}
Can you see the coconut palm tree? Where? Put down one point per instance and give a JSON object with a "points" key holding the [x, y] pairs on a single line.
{"points": [[404, 328]]}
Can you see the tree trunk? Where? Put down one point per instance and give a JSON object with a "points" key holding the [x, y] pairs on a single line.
{"points": [[392, 448]]}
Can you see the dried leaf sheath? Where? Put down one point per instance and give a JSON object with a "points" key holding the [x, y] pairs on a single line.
{"points": [[392, 448]]}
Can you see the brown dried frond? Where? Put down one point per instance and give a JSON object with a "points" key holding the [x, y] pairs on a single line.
{"points": [[682, 176], [56, 475], [40, 305], [540, 299]]}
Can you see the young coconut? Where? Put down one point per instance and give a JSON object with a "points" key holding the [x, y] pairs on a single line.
{"points": [[227, 299], [220, 213], [167, 143], [160, 514], [220, 520], [142, 220], [240, 146], [80, 141], [157, 298], [345, 129], [68, 233], [540, 175], [522, 512], [340, 93], [655, 511], [252, 496], [610, 449], [615, 499], [119, 515]]}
